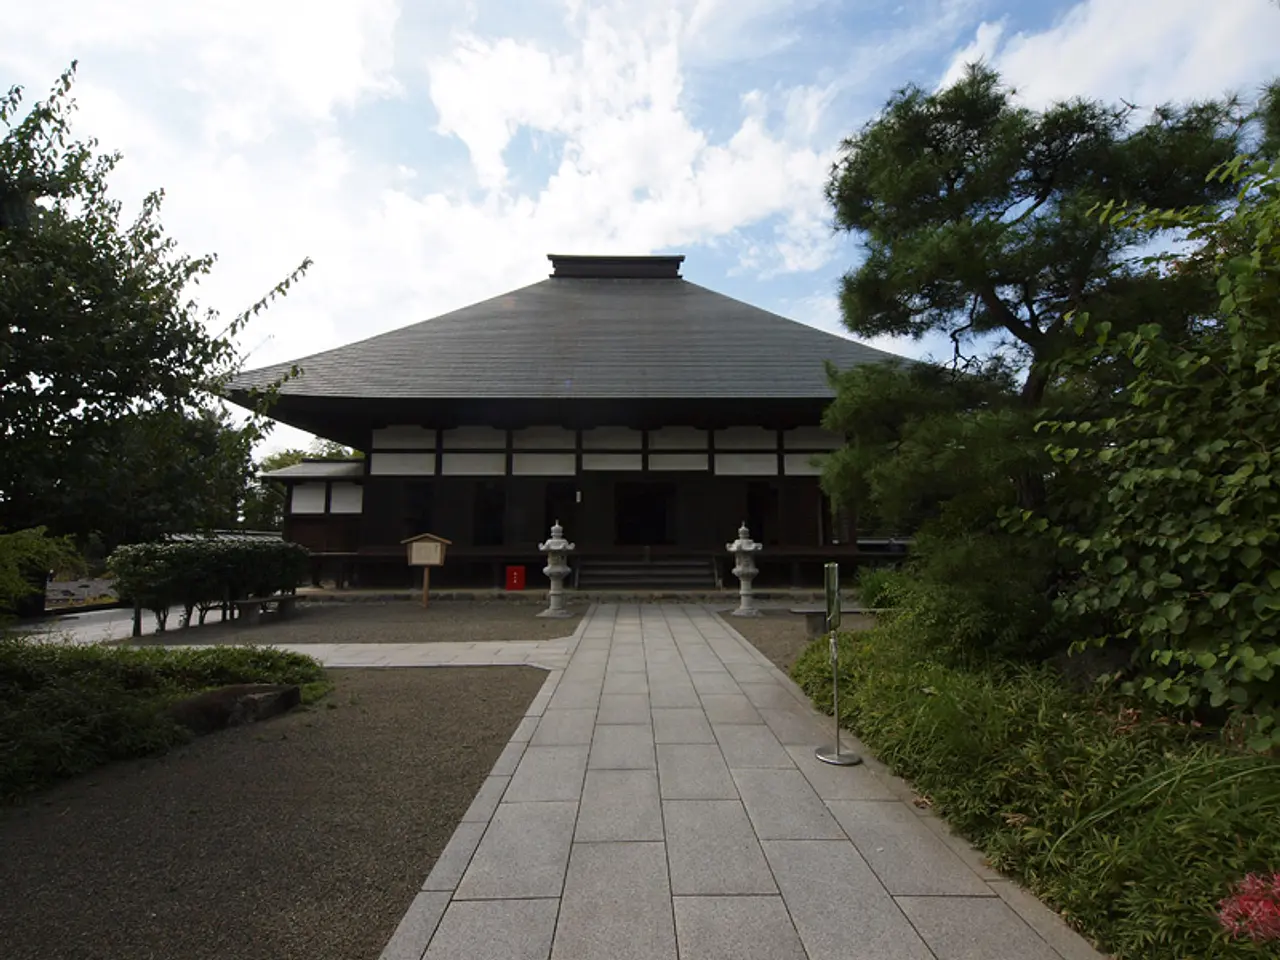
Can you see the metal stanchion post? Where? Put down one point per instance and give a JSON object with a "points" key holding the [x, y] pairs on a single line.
{"points": [[831, 581]]}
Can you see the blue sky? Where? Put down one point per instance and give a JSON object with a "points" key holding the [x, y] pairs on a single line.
{"points": [[429, 155]]}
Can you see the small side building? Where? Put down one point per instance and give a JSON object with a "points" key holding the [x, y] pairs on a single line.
{"points": [[649, 415]]}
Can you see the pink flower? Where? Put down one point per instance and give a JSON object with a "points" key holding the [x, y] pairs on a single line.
{"points": [[1253, 909]]}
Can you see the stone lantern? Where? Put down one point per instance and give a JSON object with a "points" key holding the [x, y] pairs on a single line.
{"points": [[557, 568], [744, 568]]}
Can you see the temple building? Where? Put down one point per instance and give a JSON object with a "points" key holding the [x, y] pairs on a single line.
{"points": [[649, 415]]}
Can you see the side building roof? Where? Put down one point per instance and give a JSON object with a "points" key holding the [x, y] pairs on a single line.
{"points": [[318, 470]]}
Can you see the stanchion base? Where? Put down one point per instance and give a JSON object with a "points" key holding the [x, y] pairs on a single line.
{"points": [[837, 759]]}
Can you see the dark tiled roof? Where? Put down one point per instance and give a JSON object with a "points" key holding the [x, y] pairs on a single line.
{"points": [[581, 338]]}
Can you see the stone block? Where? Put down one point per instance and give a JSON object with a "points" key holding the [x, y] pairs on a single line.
{"points": [[523, 854], [681, 725], [782, 806], [616, 904], [622, 747], [712, 849], [736, 928], [839, 907], [619, 805], [548, 773], [495, 930], [906, 855], [970, 928], [693, 771]]}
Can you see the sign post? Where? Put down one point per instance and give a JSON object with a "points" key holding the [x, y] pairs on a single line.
{"points": [[831, 581], [426, 550]]}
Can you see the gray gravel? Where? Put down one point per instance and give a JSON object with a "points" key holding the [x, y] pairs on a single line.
{"points": [[302, 837], [446, 621]]}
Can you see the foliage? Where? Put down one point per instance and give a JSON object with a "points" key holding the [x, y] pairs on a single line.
{"points": [[942, 452], [25, 558], [264, 500], [106, 358], [1133, 826], [918, 438], [877, 587], [65, 710], [975, 214], [200, 573], [1182, 550], [158, 472]]}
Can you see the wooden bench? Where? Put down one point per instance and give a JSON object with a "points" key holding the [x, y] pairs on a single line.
{"points": [[249, 610]]}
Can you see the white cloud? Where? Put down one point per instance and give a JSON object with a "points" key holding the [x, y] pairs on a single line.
{"points": [[1147, 52], [243, 111]]}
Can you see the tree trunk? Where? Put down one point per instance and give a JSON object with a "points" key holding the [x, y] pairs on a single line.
{"points": [[1030, 482], [1036, 384]]}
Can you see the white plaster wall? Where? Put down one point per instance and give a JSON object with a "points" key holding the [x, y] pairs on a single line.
{"points": [[402, 464], [612, 461], [678, 438], [746, 464], [678, 461], [307, 498], [746, 438], [475, 438], [798, 464], [346, 498], [544, 465], [544, 438], [612, 438], [404, 437], [473, 464]]}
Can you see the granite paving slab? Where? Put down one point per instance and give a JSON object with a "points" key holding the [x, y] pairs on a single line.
{"points": [[661, 800]]}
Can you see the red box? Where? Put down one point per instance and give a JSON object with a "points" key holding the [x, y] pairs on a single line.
{"points": [[515, 578]]}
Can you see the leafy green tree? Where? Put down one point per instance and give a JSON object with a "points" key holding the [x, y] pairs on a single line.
{"points": [[26, 557], [1180, 545], [100, 342], [264, 499], [975, 213]]}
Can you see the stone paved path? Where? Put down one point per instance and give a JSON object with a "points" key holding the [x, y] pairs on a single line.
{"points": [[661, 800]]}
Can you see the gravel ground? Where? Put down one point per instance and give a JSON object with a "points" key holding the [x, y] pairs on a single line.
{"points": [[781, 636], [446, 621], [306, 836]]}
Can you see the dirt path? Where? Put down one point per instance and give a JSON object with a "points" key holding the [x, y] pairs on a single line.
{"points": [[303, 837]]}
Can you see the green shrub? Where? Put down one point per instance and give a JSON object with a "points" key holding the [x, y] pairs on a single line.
{"points": [[200, 573], [65, 710], [1132, 825], [26, 556], [876, 586]]}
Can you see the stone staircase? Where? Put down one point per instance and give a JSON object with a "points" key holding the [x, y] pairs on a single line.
{"points": [[684, 574]]}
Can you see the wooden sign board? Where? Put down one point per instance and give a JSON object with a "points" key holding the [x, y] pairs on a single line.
{"points": [[426, 553], [426, 550]]}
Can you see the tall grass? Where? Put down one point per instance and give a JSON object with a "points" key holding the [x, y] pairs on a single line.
{"points": [[1133, 826]]}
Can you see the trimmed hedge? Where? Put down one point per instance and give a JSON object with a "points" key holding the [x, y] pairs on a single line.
{"points": [[200, 573], [65, 710], [1133, 826]]}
